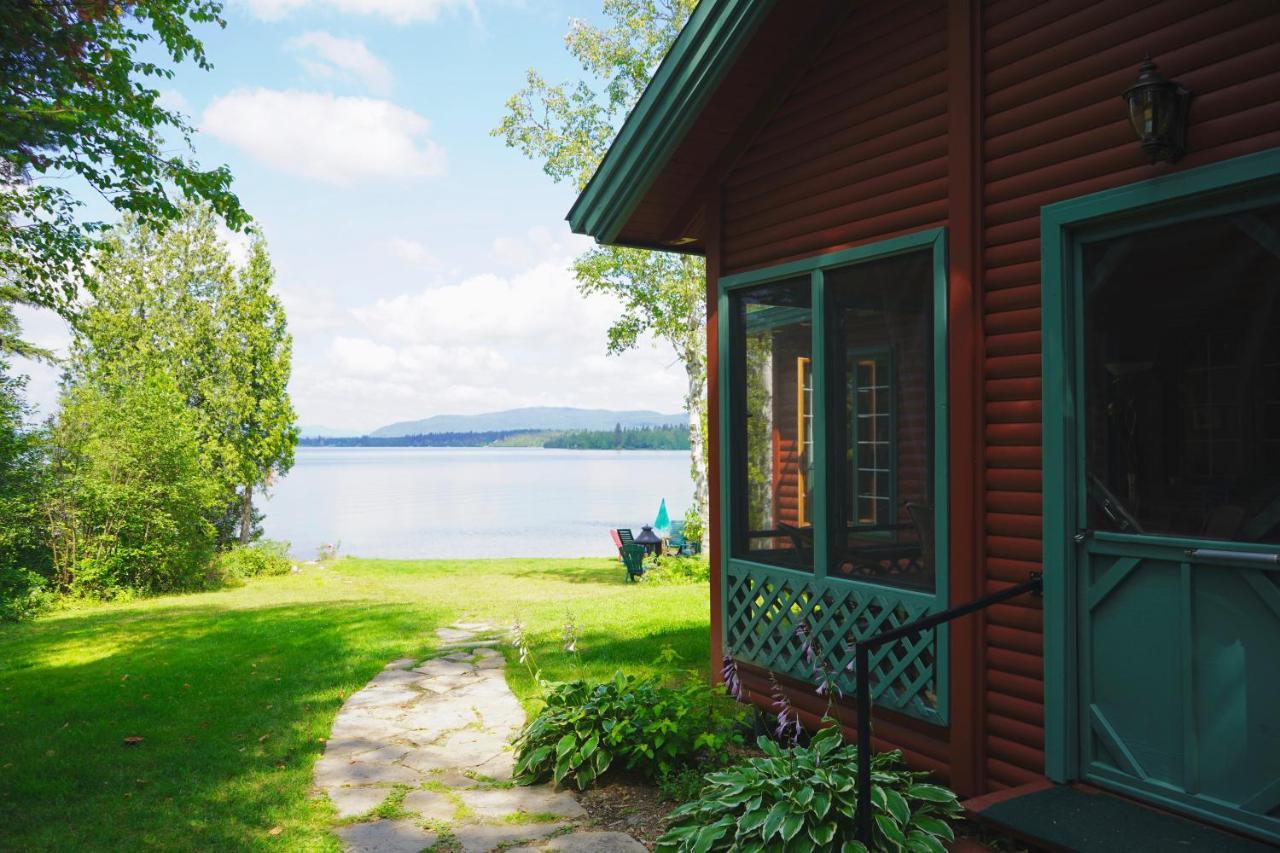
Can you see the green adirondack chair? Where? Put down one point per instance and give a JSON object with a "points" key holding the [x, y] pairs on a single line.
{"points": [[633, 559]]}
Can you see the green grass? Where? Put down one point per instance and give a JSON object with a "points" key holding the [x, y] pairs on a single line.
{"points": [[233, 691]]}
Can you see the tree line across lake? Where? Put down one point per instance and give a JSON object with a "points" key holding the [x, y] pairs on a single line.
{"points": [[637, 438]]}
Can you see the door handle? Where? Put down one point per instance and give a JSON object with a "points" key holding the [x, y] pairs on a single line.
{"points": [[1253, 559]]}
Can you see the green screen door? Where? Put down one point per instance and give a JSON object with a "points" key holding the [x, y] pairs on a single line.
{"points": [[1178, 389]]}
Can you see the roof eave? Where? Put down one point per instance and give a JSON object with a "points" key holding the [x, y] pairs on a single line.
{"points": [[701, 55]]}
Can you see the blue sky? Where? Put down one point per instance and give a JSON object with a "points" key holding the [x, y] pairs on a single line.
{"points": [[423, 264]]}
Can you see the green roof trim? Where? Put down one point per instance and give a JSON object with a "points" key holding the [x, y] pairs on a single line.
{"points": [[699, 58]]}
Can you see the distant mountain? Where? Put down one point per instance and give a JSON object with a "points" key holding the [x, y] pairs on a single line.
{"points": [[326, 432], [548, 418]]}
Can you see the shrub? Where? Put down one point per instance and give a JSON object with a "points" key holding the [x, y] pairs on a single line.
{"points": [[806, 799], [679, 571], [634, 723], [250, 561], [23, 594], [132, 492]]}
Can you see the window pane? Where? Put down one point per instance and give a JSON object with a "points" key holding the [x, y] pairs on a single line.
{"points": [[1182, 374], [881, 363], [772, 424]]}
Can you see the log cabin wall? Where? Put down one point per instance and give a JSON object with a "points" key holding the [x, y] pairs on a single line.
{"points": [[856, 153], [1053, 129], [859, 152]]}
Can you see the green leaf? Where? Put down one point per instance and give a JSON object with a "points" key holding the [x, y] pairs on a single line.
{"points": [[823, 833], [897, 806], [791, 825], [773, 821], [853, 847], [751, 821], [931, 793], [923, 842], [565, 746], [890, 829], [935, 826]]}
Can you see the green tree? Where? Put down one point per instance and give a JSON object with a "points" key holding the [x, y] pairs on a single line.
{"points": [[78, 100], [171, 298], [249, 397], [24, 552], [133, 493], [568, 127]]}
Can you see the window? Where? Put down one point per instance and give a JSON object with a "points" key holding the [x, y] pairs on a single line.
{"points": [[880, 328], [804, 426], [772, 437], [1181, 339], [872, 442]]}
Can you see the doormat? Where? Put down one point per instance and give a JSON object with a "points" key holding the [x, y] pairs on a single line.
{"points": [[1067, 818]]}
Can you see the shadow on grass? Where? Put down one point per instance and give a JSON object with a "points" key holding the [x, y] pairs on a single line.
{"points": [[232, 706]]}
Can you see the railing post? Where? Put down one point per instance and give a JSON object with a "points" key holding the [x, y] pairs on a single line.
{"points": [[861, 658]]}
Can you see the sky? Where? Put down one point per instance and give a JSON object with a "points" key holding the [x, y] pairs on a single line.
{"points": [[424, 266]]}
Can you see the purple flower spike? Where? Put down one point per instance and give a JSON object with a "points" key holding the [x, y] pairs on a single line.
{"points": [[732, 681]]}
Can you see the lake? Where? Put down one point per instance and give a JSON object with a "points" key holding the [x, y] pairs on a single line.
{"points": [[404, 502]]}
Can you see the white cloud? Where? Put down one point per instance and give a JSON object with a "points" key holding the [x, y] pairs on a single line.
{"points": [[329, 57], [487, 342], [412, 252], [172, 99], [338, 140], [398, 11]]}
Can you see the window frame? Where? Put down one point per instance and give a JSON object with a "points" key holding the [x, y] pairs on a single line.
{"points": [[879, 355], [823, 512]]}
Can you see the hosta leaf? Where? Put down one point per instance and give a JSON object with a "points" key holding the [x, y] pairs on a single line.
{"points": [[773, 821], [879, 799], [803, 797], [931, 793], [565, 745], [890, 829], [751, 821], [854, 847], [823, 833], [791, 825], [896, 805], [935, 826], [923, 842], [821, 804]]}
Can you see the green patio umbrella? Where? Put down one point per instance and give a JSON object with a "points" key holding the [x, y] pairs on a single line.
{"points": [[662, 524]]}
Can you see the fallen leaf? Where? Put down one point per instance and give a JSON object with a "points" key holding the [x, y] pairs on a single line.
{"points": [[132, 740], [124, 677], [264, 737], [275, 830]]}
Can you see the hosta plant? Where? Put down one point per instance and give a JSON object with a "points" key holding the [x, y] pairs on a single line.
{"points": [[634, 723], [805, 798]]}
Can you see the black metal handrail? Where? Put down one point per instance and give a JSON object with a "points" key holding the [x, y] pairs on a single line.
{"points": [[862, 654]]}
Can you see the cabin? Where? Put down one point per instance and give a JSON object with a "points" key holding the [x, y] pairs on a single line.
{"points": [[993, 289]]}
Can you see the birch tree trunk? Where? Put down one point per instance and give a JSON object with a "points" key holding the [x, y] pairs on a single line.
{"points": [[696, 402]]}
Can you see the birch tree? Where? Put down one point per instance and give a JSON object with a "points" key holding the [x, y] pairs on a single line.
{"points": [[568, 126]]}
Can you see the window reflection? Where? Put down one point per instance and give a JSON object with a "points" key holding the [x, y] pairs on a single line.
{"points": [[1182, 372], [773, 424], [881, 345]]}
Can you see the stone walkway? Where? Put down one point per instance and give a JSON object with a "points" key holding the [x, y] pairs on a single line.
{"points": [[419, 759]]}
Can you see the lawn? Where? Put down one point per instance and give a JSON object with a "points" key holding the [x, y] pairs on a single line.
{"points": [[232, 692]]}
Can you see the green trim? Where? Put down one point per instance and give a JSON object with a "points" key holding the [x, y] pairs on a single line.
{"points": [[1195, 193], [698, 60], [737, 571]]}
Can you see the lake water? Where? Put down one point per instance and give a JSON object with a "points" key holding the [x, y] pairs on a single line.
{"points": [[471, 502]]}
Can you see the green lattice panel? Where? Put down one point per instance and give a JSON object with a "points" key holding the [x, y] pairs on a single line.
{"points": [[765, 609]]}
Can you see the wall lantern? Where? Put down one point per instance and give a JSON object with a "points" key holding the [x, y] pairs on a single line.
{"points": [[1158, 111]]}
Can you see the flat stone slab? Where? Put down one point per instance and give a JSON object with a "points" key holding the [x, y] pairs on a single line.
{"points": [[596, 842], [430, 804], [538, 799], [356, 801], [481, 839], [386, 836]]}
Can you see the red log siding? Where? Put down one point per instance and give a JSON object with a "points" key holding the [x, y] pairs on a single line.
{"points": [[854, 154], [857, 151], [1053, 129]]}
